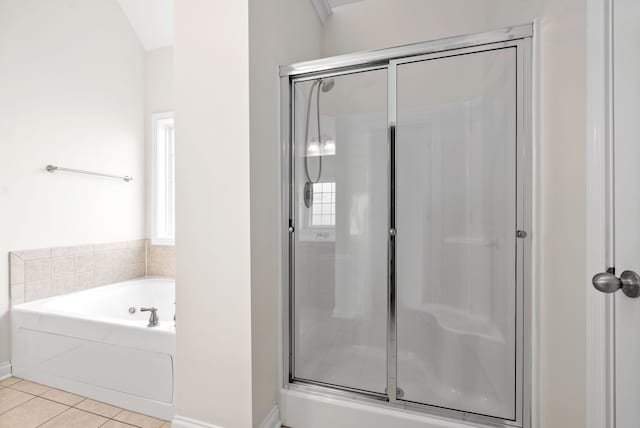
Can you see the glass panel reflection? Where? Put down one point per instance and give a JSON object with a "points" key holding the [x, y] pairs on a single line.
{"points": [[456, 249], [341, 205]]}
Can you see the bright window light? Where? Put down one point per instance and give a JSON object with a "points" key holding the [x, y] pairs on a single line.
{"points": [[163, 179], [323, 209]]}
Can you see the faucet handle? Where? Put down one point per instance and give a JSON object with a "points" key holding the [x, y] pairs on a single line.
{"points": [[153, 318]]}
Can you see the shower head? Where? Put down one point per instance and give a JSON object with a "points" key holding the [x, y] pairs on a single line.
{"points": [[327, 84]]}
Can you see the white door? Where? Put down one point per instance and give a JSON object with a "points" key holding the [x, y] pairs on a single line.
{"points": [[627, 205], [626, 128]]}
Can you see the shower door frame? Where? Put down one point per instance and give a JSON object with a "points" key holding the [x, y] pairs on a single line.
{"points": [[518, 37]]}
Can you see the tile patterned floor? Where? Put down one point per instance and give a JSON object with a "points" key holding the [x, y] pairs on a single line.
{"points": [[25, 404]]}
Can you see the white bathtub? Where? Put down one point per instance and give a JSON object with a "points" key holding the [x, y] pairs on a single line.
{"points": [[88, 343]]}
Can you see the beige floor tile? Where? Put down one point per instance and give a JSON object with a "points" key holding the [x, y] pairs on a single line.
{"points": [[30, 387], [102, 409], [74, 418], [62, 397], [138, 419], [10, 399], [116, 424], [166, 425], [31, 414], [9, 381]]}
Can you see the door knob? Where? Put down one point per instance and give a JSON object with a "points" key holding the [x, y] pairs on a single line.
{"points": [[607, 282]]}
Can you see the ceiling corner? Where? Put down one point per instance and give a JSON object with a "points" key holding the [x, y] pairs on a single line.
{"points": [[323, 9]]}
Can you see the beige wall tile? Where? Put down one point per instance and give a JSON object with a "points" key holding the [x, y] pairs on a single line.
{"points": [[140, 269], [61, 270], [83, 262], [138, 243], [37, 270], [41, 253], [104, 259], [133, 271], [61, 251], [31, 414], [17, 294], [74, 418], [81, 249], [16, 269], [135, 255], [111, 246], [105, 276], [61, 265], [82, 281], [161, 260], [112, 258], [121, 257], [71, 251], [37, 290], [62, 284]]}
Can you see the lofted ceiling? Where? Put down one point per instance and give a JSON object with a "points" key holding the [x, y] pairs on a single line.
{"points": [[152, 20], [324, 8]]}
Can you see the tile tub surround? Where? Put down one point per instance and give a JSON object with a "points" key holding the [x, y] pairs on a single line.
{"points": [[41, 273], [161, 260]]}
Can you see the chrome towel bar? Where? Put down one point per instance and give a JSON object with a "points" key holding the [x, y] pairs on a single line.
{"points": [[53, 168]]}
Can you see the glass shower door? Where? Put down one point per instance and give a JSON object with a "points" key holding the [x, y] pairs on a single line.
{"points": [[340, 209], [456, 231]]}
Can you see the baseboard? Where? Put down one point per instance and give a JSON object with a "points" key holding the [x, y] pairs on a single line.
{"points": [[5, 370], [182, 422], [272, 420]]}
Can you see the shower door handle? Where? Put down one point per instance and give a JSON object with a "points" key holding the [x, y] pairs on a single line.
{"points": [[607, 282]]}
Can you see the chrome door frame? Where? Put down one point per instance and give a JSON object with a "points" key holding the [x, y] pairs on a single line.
{"points": [[520, 38]]}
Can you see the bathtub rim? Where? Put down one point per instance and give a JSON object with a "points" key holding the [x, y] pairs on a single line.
{"points": [[38, 307]]}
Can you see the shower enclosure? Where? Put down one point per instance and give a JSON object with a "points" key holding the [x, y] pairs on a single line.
{"points": [[406, 201]]}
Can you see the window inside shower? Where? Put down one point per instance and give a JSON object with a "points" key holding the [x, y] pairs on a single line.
{"points": [[323, 207], [416, 297]]}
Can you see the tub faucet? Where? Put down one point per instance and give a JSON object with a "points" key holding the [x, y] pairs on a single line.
{"points": [[153, 318]]}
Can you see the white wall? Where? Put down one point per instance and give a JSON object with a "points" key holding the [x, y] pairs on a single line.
{"points": [[71, 94], [158, 98], [275, 38], [561, 154], [213, 260], [227, 371]]}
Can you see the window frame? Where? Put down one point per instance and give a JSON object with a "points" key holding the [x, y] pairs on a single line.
{"points": [[155, 118]]}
